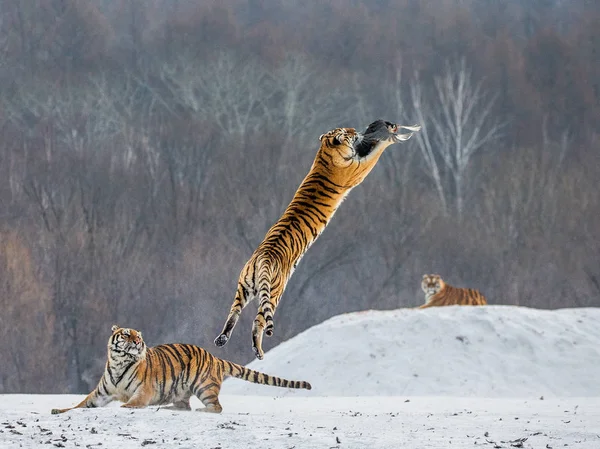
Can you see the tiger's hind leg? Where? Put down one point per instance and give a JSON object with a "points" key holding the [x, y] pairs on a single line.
{"points": [[242, 296], [210, 398], [264, 316], [268, 309], [258, 328], [264, 322], [269, 305]]}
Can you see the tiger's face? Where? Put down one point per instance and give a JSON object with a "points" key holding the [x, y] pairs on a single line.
{"points": [[432, 284], [345, 145], [338, 145], [127, 341]]}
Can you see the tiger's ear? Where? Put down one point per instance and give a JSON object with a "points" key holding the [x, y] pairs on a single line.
{"points": [[114, 328], [339, 138], [425, 276], [321, 137]]}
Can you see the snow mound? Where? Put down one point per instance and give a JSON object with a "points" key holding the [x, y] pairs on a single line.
{"points": [[492, 351]]}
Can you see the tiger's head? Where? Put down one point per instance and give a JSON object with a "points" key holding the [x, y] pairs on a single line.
{"points": [[345, 146], [432, 284], [124, 341]]}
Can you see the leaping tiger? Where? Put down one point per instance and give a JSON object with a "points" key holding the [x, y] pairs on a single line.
{"points": [[343, 161]]}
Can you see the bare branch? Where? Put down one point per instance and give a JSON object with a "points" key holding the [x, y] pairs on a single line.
{"points": [[457, 124]]}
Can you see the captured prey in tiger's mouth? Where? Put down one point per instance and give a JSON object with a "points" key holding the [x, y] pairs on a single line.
{"points": [[375, 133], [343, 161]]}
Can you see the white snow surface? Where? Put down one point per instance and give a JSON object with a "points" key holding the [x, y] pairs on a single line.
{"points": [[260, 422], [452, 377], [492, 351]]}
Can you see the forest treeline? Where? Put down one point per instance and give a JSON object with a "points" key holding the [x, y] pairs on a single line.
{"points": [[148, 145]]}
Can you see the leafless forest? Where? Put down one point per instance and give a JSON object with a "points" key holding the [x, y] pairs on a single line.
{"points": [[148, 145]]}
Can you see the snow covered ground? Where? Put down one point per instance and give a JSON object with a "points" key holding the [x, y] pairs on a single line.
{"points": [[285, 423], [491, 377]]}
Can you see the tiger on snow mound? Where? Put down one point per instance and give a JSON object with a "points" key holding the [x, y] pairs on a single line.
{"points": [[438, 293], [164, 374], [343, 160]]}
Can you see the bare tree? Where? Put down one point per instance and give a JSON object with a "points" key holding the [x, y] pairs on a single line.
{"points": [[80, 115], [457, 123], [223, 90]]}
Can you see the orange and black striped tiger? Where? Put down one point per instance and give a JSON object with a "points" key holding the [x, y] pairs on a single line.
{"points": [[438, 293], [343, 161], [166, 374]]}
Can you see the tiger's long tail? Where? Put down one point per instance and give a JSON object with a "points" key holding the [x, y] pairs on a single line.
{"points": [[241, 372]]}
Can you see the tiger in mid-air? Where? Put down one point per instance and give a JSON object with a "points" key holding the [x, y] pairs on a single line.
{"points": [[166, 374], [343, 160], [438, 293]]}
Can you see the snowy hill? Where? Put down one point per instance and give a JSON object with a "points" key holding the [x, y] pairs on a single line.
{"points": [[493, 351]]}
